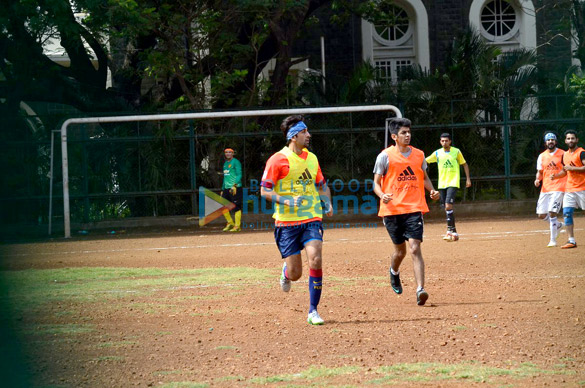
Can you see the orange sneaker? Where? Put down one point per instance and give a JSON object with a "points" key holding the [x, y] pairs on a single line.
{"points": [[569, 245]]}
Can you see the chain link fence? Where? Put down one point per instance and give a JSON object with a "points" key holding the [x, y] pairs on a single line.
{"points": [[154, 169]]}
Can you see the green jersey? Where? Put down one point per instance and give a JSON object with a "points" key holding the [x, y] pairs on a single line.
{"points": [[448, 162], [232, 174]]}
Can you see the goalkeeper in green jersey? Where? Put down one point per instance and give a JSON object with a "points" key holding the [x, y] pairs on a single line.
{"points": [[232, 190]]}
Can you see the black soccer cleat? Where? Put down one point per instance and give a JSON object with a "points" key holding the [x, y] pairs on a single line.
{"points": [[395, 283], [421, 297]]}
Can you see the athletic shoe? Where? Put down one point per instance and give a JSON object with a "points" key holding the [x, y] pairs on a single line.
{"points": [[314, 318], [421, 297], [552, 244], [569, 245], [454, 236], [447, 237], [395, 283], [284, 282], [227, 228], [236, 229]]}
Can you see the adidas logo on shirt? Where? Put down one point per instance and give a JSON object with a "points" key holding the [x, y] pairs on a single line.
{"points": [[407, 175], [448, 164], [551, 166], [305, 178]]}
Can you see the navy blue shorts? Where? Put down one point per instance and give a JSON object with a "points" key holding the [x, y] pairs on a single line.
{"points": [[448, 195], [404, 226], [292, 239]]}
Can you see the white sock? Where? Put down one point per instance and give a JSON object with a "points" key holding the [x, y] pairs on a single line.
{"points": [[572, 240], [419, 288], [553, 228], [394, 273]]}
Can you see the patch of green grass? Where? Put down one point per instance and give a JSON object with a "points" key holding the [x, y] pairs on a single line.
{"points": [[152, 308], [458, 328], [167, 372], [468, 371], [161, 333], [109, 358], [312, 373], [231, 378], [184, 384], [58, 329], [225, 347], [118, 344], [63, 313], [31, 289]]}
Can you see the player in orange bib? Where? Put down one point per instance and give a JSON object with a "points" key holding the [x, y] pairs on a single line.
{"points": [[293, 181], [574, 169], [400, 180], [552, 191]]}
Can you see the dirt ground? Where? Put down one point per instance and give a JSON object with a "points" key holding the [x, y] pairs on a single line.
{"points": [[498, 298]]}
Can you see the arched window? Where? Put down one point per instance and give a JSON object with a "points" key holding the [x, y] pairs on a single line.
{"points": [[396, 30], [498, 20], [510, 24], [397, 39]]}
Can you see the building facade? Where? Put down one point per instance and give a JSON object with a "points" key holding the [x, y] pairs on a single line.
{"points": [[423, 30]]}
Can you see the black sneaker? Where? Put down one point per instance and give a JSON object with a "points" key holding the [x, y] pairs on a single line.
{"points": [[421, 297], [395, 282]]}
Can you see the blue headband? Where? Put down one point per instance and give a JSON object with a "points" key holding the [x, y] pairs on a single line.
{"points": [[295, 129], [550, 136]]}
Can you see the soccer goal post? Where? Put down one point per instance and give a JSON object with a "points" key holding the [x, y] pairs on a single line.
{"points": [[193, 116]]}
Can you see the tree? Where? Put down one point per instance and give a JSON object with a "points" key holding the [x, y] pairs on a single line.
{"points": [[475, 77], [179, 44]]}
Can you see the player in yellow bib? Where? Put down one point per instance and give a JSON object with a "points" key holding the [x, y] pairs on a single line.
{"points": [[294, 183], [449, 160]]}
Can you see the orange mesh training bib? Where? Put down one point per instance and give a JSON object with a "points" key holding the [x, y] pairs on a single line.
{"points": [[405, 180]]}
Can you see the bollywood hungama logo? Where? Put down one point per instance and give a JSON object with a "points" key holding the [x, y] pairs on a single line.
{"points": [[212, 206], [353, 197]]}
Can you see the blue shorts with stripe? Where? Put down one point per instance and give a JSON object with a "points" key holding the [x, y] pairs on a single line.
{"points": [[292, 239]]}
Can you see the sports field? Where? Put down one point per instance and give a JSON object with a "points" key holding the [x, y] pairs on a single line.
{"points": [[199, 308]]}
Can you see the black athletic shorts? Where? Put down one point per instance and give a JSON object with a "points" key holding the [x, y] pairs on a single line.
{"points": [[235, 199], [448, 195], [404, 226]]}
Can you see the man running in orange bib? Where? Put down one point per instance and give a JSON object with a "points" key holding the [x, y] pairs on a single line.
{"points": [[574, 169], [400, 180], [552, 191]]}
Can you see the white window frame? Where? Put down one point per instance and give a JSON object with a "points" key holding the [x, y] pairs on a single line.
{"points": [[418, 18], [526, 21], [510, 34]]}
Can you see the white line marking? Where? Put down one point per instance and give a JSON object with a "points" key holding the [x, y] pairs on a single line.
{"points": [[480, 235]]}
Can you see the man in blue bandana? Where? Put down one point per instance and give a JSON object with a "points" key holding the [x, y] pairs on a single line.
{"points": [[293, 181]]}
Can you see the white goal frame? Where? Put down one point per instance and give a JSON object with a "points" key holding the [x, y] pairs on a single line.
{"points": [[194, 116]]}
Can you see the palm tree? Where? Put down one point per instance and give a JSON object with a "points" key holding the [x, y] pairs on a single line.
{"points": [[469, 88]]}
